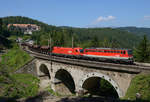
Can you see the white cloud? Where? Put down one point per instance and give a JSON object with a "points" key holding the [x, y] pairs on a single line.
{"points": [[101, 19], [146, 17], [108, 18]]}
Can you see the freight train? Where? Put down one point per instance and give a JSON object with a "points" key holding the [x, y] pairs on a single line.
{"points": [[114, 55]]}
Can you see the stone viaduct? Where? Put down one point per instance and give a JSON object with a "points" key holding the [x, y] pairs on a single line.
{"points": [[68, 76]]}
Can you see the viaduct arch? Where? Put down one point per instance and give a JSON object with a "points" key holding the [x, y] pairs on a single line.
{"points": [[68, 78], [44, 71], [95, 77], [66, 84]]}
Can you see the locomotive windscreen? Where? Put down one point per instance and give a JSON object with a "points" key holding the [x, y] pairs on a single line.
{"points": [[81, 50], [129, 52]]}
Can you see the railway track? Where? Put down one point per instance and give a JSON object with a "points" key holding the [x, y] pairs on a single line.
{"points": [[93, 64]]}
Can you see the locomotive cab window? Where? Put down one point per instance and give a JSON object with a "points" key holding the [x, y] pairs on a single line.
{"points": [[81, 50], [130, 52], [121, 52], [124, 52]]}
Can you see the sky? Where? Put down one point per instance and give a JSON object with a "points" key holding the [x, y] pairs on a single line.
{"points": [[81, 13]]}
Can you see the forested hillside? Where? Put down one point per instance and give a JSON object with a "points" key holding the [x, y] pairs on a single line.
{"points": [[108, 37], [4, 33], [137, 31], [83, 37], [25, 20]]}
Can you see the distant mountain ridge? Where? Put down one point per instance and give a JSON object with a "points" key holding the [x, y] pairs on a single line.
{"points": [[137, 30]]}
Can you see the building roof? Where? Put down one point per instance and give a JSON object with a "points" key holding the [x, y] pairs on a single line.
{"points": [[22, 25]]}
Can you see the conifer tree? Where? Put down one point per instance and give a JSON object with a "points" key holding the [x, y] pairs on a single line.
{"points": [[106, 43], [95, 42], [114, 43], [0, 26], [142, 52]]}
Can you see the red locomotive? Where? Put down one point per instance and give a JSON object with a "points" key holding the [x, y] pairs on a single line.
{"points": [[109, 53], [67, 51]]}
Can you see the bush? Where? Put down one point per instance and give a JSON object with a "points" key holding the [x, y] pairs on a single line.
{"points": [[20, 85], [139, 84]]}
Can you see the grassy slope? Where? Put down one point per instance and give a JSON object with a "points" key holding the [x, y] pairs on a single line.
{"points": [[27, 84], [15, 58], [139, 84], [20, 85], [16, 85]]}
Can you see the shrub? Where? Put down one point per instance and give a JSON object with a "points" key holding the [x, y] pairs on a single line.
{"points": [[139, 84]]}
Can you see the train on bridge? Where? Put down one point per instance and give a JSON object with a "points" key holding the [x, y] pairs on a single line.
{"points": [[114, 55]]}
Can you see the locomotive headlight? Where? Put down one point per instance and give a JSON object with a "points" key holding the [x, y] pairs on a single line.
{"points": [[130, 58]]}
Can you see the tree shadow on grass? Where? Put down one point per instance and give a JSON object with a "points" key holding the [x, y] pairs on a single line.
{"points": [[96, 99], [41, 98], [6, 99], [37, 98]]}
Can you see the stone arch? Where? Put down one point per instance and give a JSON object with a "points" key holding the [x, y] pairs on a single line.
{"points": [[64, 82], [43, 71], [95, 76]]}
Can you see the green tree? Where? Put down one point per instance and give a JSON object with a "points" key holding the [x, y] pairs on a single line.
{"points": [[142, 52], [0, 26], [114, 43], [106, 43], [95, 42]]}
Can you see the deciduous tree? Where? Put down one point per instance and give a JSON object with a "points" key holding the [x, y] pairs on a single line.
{"points": [[1, 26], [95, 42]]}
